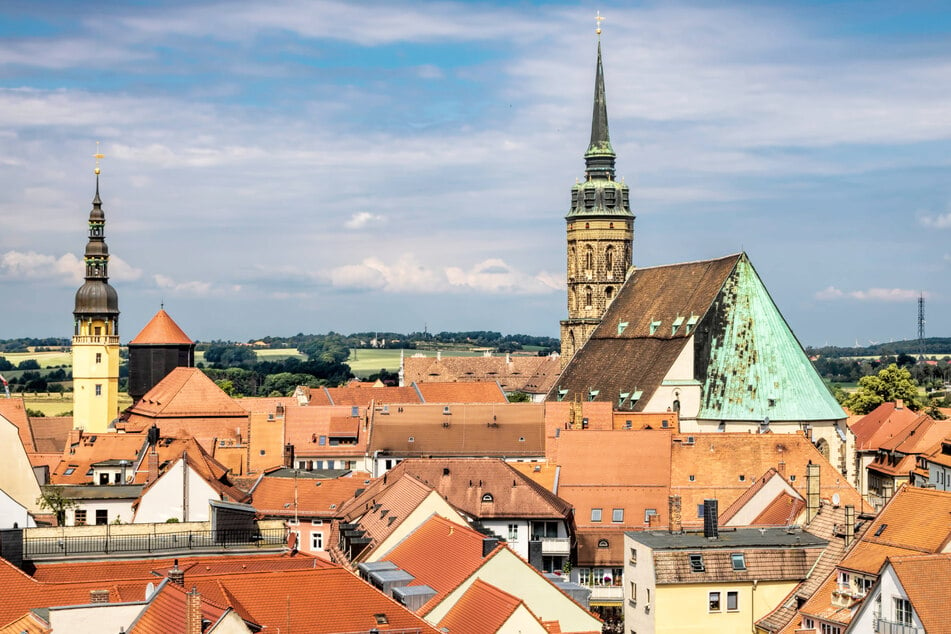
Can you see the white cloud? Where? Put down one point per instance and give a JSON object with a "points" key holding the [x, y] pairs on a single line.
{"points": [[192, 288], [361, 219], [495, 276], [871, 294], [941, 221], [66, 269]]}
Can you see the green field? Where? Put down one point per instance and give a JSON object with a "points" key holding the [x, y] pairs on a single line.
{"points": [[366, 361], [60, 404], [45, 359]]}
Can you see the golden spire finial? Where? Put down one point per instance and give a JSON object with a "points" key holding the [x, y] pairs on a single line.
{"points": [[98, 155], [598, 20]]}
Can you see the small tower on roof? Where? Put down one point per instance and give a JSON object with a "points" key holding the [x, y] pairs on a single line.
{"points": [[160, 348], [95, 345], [600, 230]]}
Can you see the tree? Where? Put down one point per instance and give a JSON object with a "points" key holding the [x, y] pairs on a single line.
{"points": [[52, 499], [519, 397], [890, 384]]}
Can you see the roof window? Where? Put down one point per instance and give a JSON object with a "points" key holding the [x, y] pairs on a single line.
{"points": [[593, 394], [880, 530], [562, 394], [488, 498], [674, 326], [654, 326], [381, 619], [69, 471], [621, 325], [738, 560], [696, 563], [603, 543], [411, 439]]}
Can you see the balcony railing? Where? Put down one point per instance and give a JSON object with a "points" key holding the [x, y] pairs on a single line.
{"points": [[99, 339], [607, 593], [883, 626], [556, 546], [195, 540]]}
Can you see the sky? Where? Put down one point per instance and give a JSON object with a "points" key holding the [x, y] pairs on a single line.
{"points": [[306, 166]]}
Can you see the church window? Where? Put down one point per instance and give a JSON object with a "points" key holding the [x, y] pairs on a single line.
{"points": [[609, 293], [588, 258], [609, 258], [589, 297]]}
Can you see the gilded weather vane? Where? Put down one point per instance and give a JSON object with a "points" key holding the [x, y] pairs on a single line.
{"points": [[598, 20], [98, 155]]}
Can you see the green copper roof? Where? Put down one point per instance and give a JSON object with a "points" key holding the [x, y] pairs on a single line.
{"points": [[757, 369], [600, 138]]}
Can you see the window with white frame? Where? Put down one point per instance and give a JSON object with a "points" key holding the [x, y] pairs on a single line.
{"points": [[713, 602], [617, 516], [513, 532], [902, 611], [732, 601], [595, 515], [316, 541]]}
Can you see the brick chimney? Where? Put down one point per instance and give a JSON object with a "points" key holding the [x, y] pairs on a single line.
{"points": [[193, 612], [176, 574], [675, 514], [99, 596], [899, 403], [849, 525], [812, 491], [152, 465]]}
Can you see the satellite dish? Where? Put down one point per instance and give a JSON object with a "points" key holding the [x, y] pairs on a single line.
{"points": [[149, 591], [836, 499]]}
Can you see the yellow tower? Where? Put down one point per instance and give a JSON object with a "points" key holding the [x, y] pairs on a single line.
{"points": [[96, 332]]}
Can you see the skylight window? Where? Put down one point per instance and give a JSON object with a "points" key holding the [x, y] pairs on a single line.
{"points": [[738, 560], [696, 563], [69, 471], [881, 529]]}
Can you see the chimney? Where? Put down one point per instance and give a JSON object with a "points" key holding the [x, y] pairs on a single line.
{"points": [[99, 596], [193, 612], [899, 403], [176, 575], [849, 525], [674, 510], [812, 491], [288, 455], [153, 464], [488, 545], [781, 468], [711, 529]]}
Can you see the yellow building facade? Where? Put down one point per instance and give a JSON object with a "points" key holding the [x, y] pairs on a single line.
{"points": [[95, 344]]}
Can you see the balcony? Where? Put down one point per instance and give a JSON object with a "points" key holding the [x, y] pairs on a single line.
{"points": [[883, 626], [603, 594], [96, 339], [557, 546]]}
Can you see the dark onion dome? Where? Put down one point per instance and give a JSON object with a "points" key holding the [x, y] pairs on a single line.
{"points": [[96, 298]]}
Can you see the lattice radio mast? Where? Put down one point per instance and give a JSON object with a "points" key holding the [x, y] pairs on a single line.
{"points": [[921, 327]]}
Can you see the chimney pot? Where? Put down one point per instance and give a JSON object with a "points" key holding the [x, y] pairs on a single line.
{"points": [[99, 596], [675, 513]]}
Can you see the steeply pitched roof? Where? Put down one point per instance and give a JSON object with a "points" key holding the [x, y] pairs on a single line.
{"points": [[467, 392], [880, 424], [161, 329], [14, 410], [166, 612], [748, 361], [90, 449], [384, 505], [926, 580], [481, 609], [187, 393], [464, 482]]}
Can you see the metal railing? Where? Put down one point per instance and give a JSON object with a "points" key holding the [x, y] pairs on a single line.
{"points": [[108, 339], [607, 593], [883, 626], [104, 544]]}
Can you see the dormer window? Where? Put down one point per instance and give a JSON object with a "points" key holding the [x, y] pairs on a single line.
{"points": [[487, 497], [696, 563]]}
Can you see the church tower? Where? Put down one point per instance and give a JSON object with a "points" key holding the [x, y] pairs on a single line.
{"points": [[600, 232], [96, 333]]}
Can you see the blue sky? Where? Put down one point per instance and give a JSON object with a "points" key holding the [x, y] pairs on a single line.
{"points": [[298, 166]]}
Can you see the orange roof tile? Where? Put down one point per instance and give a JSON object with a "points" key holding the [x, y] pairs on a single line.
{"points": [[166, 612], [440, 554], [880, 424], [14, 410], [782, 511], [29, 623], [187, 392], [542, 473], [364, 396], [466, 392], [380, 511], [926, 580], [161, 329], [305, 425], [482, 609], [78, 459], [514, 373], [273, 496]]}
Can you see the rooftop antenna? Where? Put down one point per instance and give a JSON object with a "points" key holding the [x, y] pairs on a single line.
{"points": [[921, 326]]}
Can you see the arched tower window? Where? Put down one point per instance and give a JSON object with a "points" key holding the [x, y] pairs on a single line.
{"points": [[823, 447], [609, 258], [571, 262], [588, 258], [588, 297], [609, 293]]}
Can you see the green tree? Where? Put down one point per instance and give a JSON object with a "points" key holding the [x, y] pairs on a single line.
{"points": [[53, 499], [519, 397], [890, 384]]}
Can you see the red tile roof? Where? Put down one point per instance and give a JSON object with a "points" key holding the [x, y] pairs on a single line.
{"points": [[926, 580], [314, 497], [463, 392], [187, 392], [880, 424], [161, 329], [364, 396], [14, 410], [514, 373], [483, 609], [167, 612], [439, 554]]}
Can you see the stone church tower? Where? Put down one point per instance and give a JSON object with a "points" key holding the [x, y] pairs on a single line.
{"points": [[600, 233], [96, 333]]}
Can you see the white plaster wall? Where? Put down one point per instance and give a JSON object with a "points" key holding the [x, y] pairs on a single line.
{"points": [[522, 622], [12, 512], [751, 510], [95, 618], [641, 574], [164, 499], [888, 588], [501, 528], [121, 509], [230, 623], [16, 473], [506, 571], [678, 380]]}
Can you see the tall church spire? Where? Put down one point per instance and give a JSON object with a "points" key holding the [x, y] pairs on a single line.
{"points": [[599, 159], [600, 231]]}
